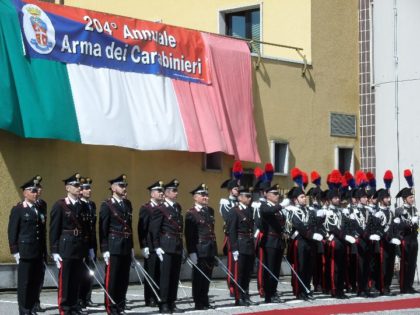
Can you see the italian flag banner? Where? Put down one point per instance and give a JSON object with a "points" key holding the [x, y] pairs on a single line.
{"points": [[94, 78]]}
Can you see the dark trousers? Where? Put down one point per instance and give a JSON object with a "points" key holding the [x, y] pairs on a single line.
{"points": [[41, 282], [170, 268], [86, 282], [351, 260], [29, 276], [389, 262], [335, 266], [151, 265], [272, 260], [318, 276], [200, 285], [302, 265], [243, 270], [117, 274], [363, 266], [68, 285], [409, 249]]}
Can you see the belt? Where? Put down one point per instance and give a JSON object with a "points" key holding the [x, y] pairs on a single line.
{"points": [[245, 235], [207, 238], [75, 232], [172, 234], [274, 234], [119, 233]]}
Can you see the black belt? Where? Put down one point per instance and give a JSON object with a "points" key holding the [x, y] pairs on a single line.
{"points": [[75, 232], [119, 233], [172, 234], [207, 238]]}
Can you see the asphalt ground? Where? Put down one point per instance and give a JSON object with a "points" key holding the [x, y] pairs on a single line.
{"points": [[219, 295]]}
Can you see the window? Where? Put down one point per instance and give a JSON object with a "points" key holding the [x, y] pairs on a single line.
{"points": [[280, 157], [344, 159], [213, 161], [244, 24]]}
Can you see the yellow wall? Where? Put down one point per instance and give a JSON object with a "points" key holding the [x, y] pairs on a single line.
{"points": [[287, 106]]}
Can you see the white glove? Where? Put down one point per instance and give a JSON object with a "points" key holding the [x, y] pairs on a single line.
{"points": [[159, 253], [346, 211], [91, 254], [285, 202], [317, 237], [415, 219], [378, 214], [57, 258], [145, 252], [395, 241], [374, 237], [397, 220], [17, 257], [321, 213], [352, 216], [193, 257], [235, 255], [350, 239], [106, 257]]}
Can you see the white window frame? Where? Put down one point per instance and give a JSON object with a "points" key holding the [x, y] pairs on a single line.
{"points": [[273, 153], [221, 21]]}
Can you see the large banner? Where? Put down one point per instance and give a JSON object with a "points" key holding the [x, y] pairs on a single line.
{"points": [[79, 36]]}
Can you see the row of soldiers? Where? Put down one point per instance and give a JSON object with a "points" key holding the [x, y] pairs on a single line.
{"points": [[360, 236]]}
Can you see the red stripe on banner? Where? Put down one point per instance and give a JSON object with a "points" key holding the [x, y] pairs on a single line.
{"points": [[333, 289], [349, 308], [402, 269], [107, 301], [60, 289]]}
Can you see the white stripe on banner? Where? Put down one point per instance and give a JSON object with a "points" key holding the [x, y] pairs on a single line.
{"points": [[126, 109]]}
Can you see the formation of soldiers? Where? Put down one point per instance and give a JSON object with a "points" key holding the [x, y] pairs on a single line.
{"points": [[343, 239]]}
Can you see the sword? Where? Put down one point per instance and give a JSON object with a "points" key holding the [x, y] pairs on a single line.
{"points": [[147, 277], [297, 276], [192, 265], [227, 271], [92, 273], [99, 273], [51, 275], [269, 271]]}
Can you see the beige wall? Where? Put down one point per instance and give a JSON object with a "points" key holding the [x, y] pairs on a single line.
{"points": [[287, 106]]}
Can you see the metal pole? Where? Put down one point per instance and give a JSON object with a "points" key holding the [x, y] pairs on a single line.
{"points": [[92, 273], [146, 277], [297, 276], [51, 275], [191, 264], [269, 271]]}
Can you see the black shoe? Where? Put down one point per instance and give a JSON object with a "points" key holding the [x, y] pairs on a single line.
{"points": [[200, 307], [277, 299], [164, 309], [303, 296], [241, 302], [342, 296], [250, 303], [38, 308], [175, 309]]}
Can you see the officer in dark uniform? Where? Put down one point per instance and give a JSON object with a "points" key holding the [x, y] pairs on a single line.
{"points": [[226, 204], [201, 245], [27, 243], [167, 229], [116, 241], [151, 261], [241, 238], [85, 290], [69, 242], [408, 226], [41, 205], [272, 222]]}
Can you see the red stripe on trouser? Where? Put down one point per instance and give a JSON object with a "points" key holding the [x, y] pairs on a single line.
{"points": [[107, 301], [260, 273], [235, 264], [332, 271], [296, 267], [402, 261], [381, 264], [323, 271], [60, 289]]}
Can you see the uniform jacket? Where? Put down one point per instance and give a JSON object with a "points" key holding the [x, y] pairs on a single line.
{"points": [[226, 204], [115, 227], [69, 229], [167, 227], [406, 227], [143, 226], [241, 230], [272, 222], [199, 231], [27, 232], [92, 218]]}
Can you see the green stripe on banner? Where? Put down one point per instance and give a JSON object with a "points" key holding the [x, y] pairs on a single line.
{"points": [[35, 95]]}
